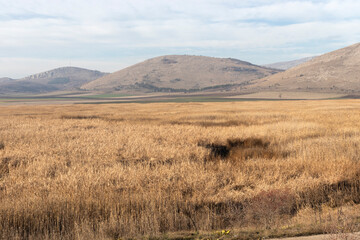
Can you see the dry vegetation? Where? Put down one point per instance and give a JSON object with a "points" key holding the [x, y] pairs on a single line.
{"points": [[169, 170]]}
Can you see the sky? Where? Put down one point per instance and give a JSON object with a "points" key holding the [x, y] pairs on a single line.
{"points": [[108, 35]]}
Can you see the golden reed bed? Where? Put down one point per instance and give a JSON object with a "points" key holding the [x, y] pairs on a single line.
{"points": [[170, 169]]}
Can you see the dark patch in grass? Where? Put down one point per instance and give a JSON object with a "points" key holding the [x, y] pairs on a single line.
{"points": [[238, 187], [230, 123], [4, 167], [7, 163], [2, 146], [335, 194], [218, 150], [145, 161], [247, 143], [90, 117], [146, 119], [239, 149], [89, 127], [80, 117], [113, 119]]}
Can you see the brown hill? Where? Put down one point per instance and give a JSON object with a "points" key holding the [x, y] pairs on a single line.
{"points": [[181, 73], [337, 71]]}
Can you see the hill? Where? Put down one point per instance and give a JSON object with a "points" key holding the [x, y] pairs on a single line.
{"points": [[59, 79], [5, 80], [65, 78], [337, 71], [174, 73], [288, 64]]}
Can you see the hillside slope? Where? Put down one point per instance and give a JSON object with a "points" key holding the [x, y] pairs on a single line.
{"points": [[337, 71], [181, 72]]}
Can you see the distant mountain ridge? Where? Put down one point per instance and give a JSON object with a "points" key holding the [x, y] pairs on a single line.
{"points": [[173, 73], [288, 64], [59, 79]]}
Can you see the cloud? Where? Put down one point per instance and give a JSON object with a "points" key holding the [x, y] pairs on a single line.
{"points": [[110, 30]]}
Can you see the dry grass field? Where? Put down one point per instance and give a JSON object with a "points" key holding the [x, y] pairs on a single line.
{"points": [[239, 170]]}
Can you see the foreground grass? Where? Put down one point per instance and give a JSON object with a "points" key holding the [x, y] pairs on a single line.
{"points": [[179, 170]]}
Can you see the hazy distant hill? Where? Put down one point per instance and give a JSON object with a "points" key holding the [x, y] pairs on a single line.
{"points": [[337, 71], [288, 64], [59, 79], [5, 80], [181, 72]]}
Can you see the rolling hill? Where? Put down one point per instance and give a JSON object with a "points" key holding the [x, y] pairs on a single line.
{"points": [[59, 79], [337, 71], [174, 73]]}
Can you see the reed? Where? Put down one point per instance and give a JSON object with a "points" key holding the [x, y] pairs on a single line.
{"points": [[150, 170]]}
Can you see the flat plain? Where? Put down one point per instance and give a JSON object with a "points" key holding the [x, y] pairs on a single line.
{"points": [[229, 170]]}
